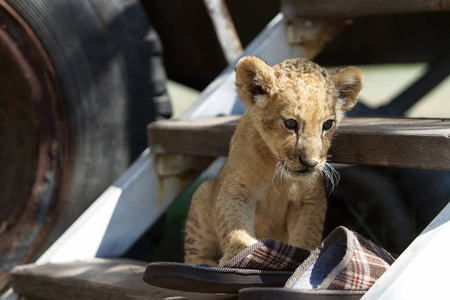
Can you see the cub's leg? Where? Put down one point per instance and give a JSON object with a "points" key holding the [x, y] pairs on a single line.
{"points": [[200, 242], [235, 222], [305, 220]]}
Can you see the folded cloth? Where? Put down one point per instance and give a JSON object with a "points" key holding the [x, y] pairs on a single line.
{"points": [[344, 266], [269, 254], [268, 263]]}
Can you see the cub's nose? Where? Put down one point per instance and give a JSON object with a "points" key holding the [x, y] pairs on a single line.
{"points": [[307, 162]]}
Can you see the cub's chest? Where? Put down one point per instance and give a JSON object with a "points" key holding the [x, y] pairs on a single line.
{"points": [[270, 216], [271, 200]]}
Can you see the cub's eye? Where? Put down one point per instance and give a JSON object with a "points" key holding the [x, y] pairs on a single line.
{"points": [[327, 125], [290, 124]]}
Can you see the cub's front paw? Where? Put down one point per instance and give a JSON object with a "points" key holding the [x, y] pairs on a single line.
{"points": [[225, 259], [233, 250]]}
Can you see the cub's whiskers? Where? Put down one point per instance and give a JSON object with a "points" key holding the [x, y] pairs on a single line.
{"points": [[278, 176], [331, 176]]}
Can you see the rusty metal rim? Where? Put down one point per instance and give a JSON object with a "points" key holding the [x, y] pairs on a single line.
{"points": [[21, 238]]}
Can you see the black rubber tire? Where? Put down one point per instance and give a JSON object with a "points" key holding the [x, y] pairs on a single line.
{"points": [[108, 65]]}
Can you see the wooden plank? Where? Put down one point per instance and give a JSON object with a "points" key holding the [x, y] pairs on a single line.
{"points": [[399, 142], [356, 8], [200, 136], [112, 279], [395, 142]]}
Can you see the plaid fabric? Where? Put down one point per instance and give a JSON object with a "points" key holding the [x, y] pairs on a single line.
{"points": [[270, 254], [368, 263]]}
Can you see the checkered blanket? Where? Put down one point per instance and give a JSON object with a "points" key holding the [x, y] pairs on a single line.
{"points": [[269, 254], [367, 264], [344, 261]]}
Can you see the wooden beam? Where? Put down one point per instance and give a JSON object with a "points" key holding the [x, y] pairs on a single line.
{"points": [[357, 8], [398, 142], [395, 142], [100, 279], [202, 136]]}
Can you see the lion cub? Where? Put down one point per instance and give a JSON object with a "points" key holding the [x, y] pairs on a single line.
{"points": [[271, 185]]}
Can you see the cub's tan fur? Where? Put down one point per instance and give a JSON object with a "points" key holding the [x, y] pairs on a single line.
{"points": [[271, 184]]}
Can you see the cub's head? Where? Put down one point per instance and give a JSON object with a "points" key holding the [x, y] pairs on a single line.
{"points": [[296, 106]]}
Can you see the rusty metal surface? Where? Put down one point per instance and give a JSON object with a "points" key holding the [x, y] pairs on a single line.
{"points": [[225, 30], [311, 35], [30, 141]]}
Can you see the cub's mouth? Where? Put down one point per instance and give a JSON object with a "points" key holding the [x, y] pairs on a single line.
{"points": [[306, 170], [294, 171]]}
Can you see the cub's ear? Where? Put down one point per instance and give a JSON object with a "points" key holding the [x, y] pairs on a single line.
{"points": [[348, 82], [254, 80]]}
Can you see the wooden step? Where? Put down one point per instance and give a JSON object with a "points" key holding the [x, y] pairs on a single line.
{"points": [[397, 142], [112, 279], [358, 8]]}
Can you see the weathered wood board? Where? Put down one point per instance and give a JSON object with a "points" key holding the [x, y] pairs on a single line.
{"points": [[397, 142], [112, 279], [358, 8]]}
